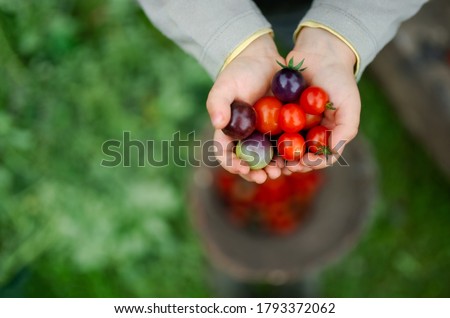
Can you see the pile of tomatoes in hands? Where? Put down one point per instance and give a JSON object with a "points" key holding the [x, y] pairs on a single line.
{"points": [[292, 116], [291, 119]]}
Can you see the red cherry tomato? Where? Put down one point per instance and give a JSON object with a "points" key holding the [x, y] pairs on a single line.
{"points": [[317, 140], [292, 118], [314, 100], [267, 111], [291, 146], [305, 185], [280, 218], [312, 121], [243, 192], [273, 191]]}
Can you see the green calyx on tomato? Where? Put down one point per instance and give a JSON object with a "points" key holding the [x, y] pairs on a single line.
{"points": [[293, 67], [323, 150]]}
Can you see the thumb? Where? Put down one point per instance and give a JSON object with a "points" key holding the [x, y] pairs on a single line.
{"points": [[219, 105]]}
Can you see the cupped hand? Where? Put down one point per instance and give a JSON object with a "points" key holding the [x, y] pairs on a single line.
{"points": [[329, 64], [247, 78]]}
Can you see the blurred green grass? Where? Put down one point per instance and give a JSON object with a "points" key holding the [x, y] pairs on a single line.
{"points": [[77, 73]]}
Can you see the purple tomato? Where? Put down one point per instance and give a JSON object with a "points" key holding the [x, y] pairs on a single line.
{"points": [[242, 122], [288, 83]]}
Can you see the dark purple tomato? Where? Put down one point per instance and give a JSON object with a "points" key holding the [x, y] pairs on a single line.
{"points": [[242, 122], [288, 83], [256, 150]]}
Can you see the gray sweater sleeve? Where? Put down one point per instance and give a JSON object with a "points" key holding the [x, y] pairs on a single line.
{"points": [[209, 30], [367, 25]]}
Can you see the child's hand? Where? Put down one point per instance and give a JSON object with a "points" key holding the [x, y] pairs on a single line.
{"points": [[329, 64], [247, 78]]}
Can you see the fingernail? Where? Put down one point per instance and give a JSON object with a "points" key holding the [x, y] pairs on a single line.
{"points": [[217, 119]]}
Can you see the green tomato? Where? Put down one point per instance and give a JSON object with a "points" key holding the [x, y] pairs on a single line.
{"points": [[256, 150]]}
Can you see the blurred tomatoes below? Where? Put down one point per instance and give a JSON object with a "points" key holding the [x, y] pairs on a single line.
{"points": [[276, 207]]}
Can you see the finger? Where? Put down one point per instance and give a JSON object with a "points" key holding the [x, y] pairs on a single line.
{"points": [[286, 171], [315, 162], [218, 103], [297, 166], [225, 155], [340, 136], [273, 171], [257, 176], [279, 161], [246, 81], [344, 121]]}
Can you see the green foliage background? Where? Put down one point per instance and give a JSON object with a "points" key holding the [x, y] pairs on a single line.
{"points": [[74, 74]]}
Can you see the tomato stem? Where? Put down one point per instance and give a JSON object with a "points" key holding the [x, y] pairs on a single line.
{"points": [[324, 150], [330, 106]]}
